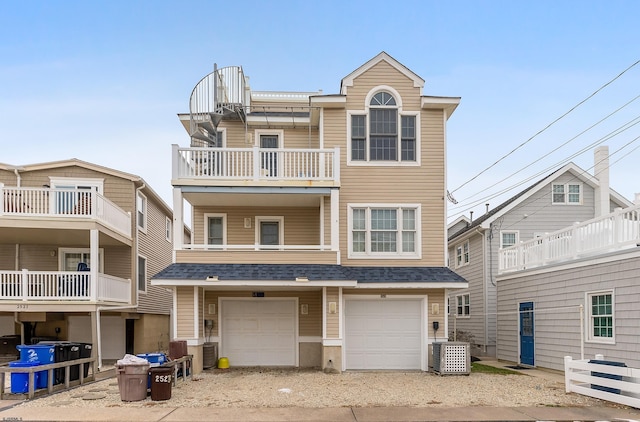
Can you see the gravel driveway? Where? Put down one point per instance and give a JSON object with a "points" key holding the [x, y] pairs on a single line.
{"points": [[248, 388]]}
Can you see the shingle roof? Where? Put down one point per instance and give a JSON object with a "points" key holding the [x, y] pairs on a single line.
{"points": [[314, 272]]}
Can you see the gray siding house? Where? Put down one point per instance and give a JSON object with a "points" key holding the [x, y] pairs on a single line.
{"points": [[566, 196], [573, 293]]}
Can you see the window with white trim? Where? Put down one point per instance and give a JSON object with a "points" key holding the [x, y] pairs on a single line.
{"points": [[269, 231], [462, 254], [141, 212], [463, 305], [508, 238], [569, 193], [384, 231], [73, 196], [168, 228], [600, 316], [69, 258], [382, 132], [215, 226], [142, 273]]}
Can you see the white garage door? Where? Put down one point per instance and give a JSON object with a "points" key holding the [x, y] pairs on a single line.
{"points": [[259, 332], [383, 334]]}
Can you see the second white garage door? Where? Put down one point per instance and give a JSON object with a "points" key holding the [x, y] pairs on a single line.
{"points": [[383, 334], [259, 332]]}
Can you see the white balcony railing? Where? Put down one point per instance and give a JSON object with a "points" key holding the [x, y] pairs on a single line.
{"points": [[257, 164], [257, 247], [612, 232], [41, 286], [67, 203]]}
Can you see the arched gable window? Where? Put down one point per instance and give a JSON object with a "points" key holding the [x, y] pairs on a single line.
{"points": [[381, 140]]}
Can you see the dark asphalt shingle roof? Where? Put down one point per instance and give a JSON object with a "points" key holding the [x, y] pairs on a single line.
{"points": [[314, 272]]}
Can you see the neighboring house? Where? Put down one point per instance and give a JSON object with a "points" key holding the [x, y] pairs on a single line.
{"points": [[574, 292], [566, 196], [78, 243], [319, 223]]}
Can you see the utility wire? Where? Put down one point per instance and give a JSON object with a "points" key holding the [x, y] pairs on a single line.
{"points": [[553, 150], [546, 127], [601, 140]]}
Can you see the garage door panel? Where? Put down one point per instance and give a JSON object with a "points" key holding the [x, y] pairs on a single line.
{"points": [[383, 334], [259, 333]]}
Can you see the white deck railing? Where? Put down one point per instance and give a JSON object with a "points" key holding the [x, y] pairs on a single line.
{"points": [[603, 381], [40, 286], [258, 164], [612, 232], [67, 203]]}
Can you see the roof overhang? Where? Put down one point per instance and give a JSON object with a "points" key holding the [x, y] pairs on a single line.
{"points": [[216, 283], [448, 104], [414, 285]]}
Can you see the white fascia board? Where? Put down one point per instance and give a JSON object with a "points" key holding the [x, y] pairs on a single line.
{"points": [[414, 285], [448, 104], [253, 283], [284, 120], [329, 101]]}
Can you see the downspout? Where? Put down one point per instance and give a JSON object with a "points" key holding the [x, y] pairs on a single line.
{"points": [[144, 185], [16, 171]]}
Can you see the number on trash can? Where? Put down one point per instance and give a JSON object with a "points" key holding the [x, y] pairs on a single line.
{"points": [[163, 378]]}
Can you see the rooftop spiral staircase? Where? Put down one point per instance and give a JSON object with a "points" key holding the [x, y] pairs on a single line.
{"points": [[223, 94]]}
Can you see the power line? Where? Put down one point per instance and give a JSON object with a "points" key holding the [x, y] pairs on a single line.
{"points": [[546, 127], [553, 150], [615, 132]]}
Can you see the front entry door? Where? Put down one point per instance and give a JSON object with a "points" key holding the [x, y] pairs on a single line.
{"points": [[526, 334]]}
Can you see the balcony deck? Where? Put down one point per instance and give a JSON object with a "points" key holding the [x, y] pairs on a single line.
{"points": [[258, 166], [613, 232], [52, 203], [47, 287]]}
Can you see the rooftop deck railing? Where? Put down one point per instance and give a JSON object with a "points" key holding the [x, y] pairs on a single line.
{"points": [[42, 286], [612, 232], [67, 203], [257, 164]]}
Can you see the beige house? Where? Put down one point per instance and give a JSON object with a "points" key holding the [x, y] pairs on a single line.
{"points": [[78, 244], [319, 226]]}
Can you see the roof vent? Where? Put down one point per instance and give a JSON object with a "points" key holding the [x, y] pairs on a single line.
{"points": [[302, 279], [212, 278]]}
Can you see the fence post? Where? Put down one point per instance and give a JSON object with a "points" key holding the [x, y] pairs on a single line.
{"points": [[567, 374], [25, 284]]}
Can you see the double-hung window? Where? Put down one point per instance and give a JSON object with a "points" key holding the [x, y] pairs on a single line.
{"points": [[508, 238], [382, 133], [463, 305], [569, 193], [216, 229], [462, 254], [378, 231], [141, 212], [600, 313]]}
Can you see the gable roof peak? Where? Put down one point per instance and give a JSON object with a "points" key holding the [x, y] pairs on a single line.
{"points": [[347, 81]]}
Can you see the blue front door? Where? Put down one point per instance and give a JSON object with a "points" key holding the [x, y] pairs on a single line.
{"points": [[526, 333]]}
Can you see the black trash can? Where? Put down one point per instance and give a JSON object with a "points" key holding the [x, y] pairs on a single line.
{"points": [[60, 354], [85, 352], [161, 377], [74, 353], [605, 375]]}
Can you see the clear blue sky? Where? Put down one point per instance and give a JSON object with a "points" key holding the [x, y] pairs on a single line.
{"points": [[102, 81]]}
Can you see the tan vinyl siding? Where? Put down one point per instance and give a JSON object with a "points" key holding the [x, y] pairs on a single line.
{"points": [[308, 325], [333, 320], [158, 251], [185, 312], [256, 257], [301, 225], [8, 257], [397, 184]]}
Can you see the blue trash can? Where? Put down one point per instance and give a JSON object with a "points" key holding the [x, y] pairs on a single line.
{"points": [[20, 381], [43, 353]]}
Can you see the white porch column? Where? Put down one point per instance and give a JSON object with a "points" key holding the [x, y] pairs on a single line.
{"points": [[94, 240], [178, 221], [335, 220], [95, 336]]}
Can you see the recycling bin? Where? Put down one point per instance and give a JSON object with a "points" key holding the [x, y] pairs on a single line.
{"points": [[20, 380], [85, 352], [132, 381], [161, 377]]}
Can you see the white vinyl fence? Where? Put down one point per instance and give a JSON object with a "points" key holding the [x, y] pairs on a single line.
{"points": [[604, 380]]}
